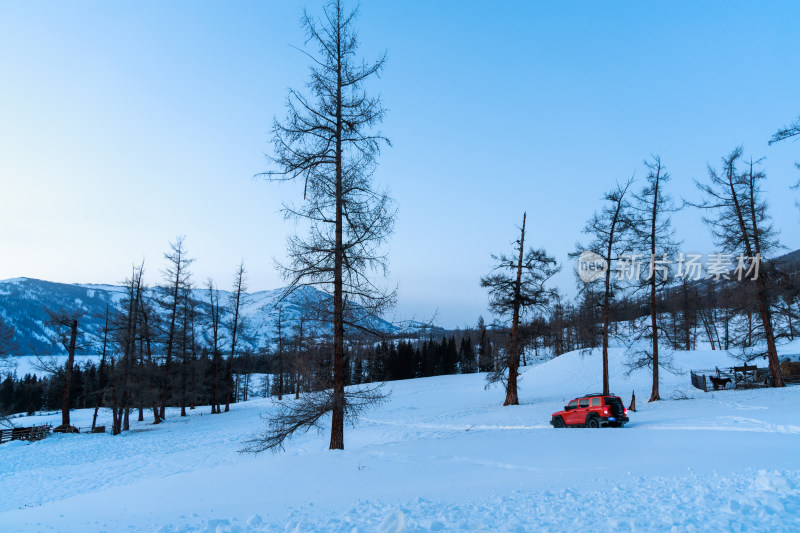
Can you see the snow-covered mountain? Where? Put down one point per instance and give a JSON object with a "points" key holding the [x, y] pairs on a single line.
{"points": [[23, 304]]}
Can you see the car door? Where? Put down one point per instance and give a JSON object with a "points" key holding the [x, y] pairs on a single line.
{"points": [[571, 409], [583, 411]]}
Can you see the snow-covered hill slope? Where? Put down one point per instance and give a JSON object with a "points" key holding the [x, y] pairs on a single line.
{"points": [[23, 302], [441, 454]]}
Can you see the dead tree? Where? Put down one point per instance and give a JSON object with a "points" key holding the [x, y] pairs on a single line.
{"points": [[213, 327], [67, 332], [517, 285], [186, 344], [176, 277], [328, 142], [610, 229], [126, 329], [741, 228], [102, 370], [149, 386], [236, 327]]}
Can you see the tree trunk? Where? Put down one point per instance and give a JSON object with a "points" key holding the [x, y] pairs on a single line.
{"points": [[761, 289], [654, 395], [68, 374], [337, 415], [772, 352], [512, 397], [228, 383], [607, 311]]}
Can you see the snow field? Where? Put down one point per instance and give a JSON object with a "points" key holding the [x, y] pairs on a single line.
{"points": [[441, 454]]}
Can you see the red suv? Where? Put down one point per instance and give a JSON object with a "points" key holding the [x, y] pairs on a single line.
{"points": [[592, 411]]}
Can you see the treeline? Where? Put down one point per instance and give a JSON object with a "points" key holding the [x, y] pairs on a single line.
{"points": [[32, 393], [723, 315], [631, 276], [159, 347]]}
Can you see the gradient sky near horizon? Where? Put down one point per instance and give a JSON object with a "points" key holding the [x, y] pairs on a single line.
{"points": [[125, 124]]}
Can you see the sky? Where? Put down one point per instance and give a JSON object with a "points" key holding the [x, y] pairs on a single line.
{"points": [[126, 124]]}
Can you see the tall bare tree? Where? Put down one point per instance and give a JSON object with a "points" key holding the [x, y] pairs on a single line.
{"points": [[329, 143], [127, 329], [98, 394], [149, 386], [609, 229], [516, 285], [653, 229], [236, 326], [213, 321], [186, 342], [67, 332], [741, 227], [176, 277]]}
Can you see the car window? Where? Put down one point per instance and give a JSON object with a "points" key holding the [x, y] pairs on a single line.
{"points": [[573, 404], [585, 402], [596, 402]]}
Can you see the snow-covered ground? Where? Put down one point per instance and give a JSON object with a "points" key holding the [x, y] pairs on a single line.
{"points": [[441, 455]]}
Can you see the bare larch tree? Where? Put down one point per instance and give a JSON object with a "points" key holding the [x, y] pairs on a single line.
{"points": [[213, 319], [610, 229], [176, 277], [516, 285], [741, 227], [67, 333], [328, 142], [653, 229], [236, 326]]}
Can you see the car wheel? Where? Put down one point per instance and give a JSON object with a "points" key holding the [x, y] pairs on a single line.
{"points": [[558, 422], [593, 422]]}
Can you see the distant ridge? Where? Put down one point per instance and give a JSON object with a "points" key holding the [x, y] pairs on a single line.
{"points": [[23, 302]]}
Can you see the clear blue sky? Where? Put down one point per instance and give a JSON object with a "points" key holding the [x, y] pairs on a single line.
{"points": [[125, 124]]}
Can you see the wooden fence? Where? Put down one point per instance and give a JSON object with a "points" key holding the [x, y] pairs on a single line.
{"points": [[699, 381], [27, 433], [736, 377]]}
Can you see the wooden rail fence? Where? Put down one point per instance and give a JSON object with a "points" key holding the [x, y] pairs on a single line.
{"points": [[26, 433], [736, 377]]}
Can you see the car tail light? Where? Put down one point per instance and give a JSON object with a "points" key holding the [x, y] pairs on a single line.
{"points": [[605, 410], [625, 409]]}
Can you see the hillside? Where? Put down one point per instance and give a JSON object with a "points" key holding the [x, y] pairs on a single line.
{"points": [[23, 302], [441, 455]]}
